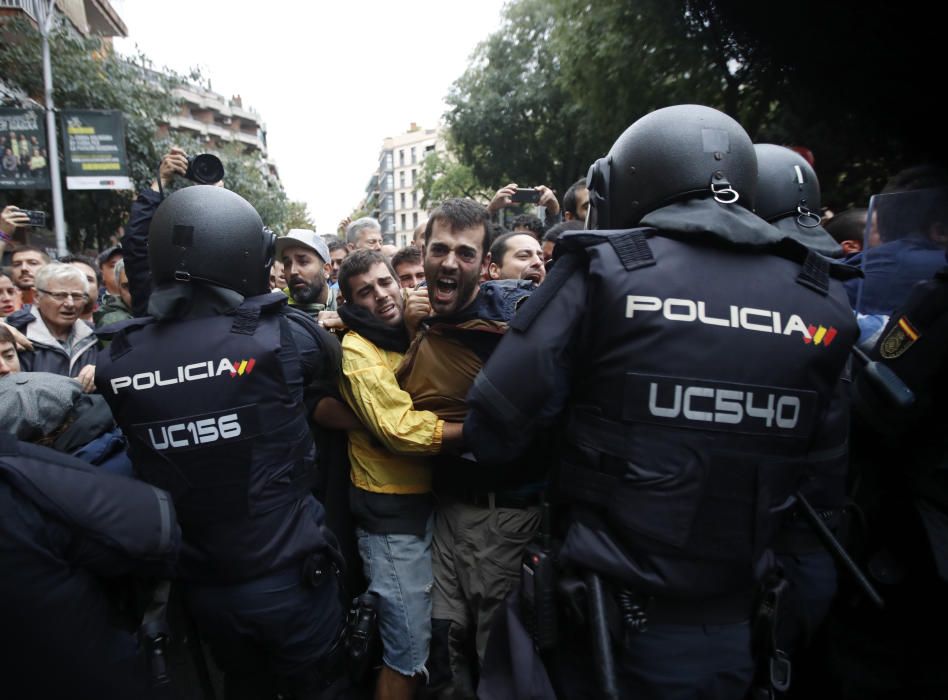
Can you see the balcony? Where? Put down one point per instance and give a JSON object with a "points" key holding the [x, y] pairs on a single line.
{"points": [[31, 8], [88, 17]]}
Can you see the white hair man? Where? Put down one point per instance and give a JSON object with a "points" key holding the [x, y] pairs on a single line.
{"points": [[62, 342]]}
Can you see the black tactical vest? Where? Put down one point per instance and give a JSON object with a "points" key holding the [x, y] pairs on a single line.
{"points": [[207, 410], [700, 393]]}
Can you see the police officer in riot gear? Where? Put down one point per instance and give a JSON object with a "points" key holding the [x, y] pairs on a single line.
{"points": [[899, 453], [209, 390], [70, 534], [695, 360], [788, 196]]}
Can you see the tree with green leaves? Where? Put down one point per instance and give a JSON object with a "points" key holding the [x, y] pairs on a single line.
{"points": [[443, 177], [510, 119], [88, 75], [298, 216], [550, 90]]}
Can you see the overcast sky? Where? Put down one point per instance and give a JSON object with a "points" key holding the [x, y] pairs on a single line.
{"points": [[329, 79]]}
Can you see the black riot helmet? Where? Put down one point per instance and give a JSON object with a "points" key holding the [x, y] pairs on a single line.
{"points": [[210, 235], [788, 196], [668, 155], [786, 186]]}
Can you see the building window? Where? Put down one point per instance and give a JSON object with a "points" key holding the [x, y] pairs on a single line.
{"points": [[414, 220], [401, 157], [401, 178], [414, 200], [414, 177], [414, 157], [403, 200], [404, 222]]}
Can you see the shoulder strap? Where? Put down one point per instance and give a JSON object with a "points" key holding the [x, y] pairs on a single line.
{"points": [[247, 315], [815, 273], [118, 332], [631, 247]]}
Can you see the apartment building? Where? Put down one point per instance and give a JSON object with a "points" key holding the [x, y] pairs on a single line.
{"points": [[87, 17], [393, 194], [216, 120]]}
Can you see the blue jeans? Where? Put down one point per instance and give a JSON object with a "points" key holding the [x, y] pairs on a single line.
{"points": [[398, 568]]}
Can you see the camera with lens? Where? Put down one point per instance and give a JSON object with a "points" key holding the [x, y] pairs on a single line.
{"points": [[205, 169]]}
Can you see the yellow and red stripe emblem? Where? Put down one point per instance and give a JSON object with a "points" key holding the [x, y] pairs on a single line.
{"points": [[242, 366], [908, 329], [820, 335]]}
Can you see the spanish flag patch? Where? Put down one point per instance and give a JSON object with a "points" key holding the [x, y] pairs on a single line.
{"points": [[899, 339]]}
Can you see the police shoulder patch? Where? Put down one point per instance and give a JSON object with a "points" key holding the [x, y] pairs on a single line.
{"points": [[900, 338]]}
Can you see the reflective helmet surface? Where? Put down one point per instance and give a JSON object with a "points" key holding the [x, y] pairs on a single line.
{"points": [[786, 184], [668, 155], [211, 235]]}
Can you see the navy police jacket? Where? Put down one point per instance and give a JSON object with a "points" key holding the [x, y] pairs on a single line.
{"points": [[67, 527], [212, 407], [696, 364]]}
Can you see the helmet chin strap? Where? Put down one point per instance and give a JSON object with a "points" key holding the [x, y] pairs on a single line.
{"points": [[598, 188], [722, 190], [807, 218]]}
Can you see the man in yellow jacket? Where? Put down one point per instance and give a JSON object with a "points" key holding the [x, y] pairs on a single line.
{"points": [[390, 496]]}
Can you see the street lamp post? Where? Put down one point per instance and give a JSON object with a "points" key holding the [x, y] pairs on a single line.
{"points": [[46, 25]]}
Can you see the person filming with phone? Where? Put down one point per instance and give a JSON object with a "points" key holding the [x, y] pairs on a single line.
{"points": [[512, 195], [25, 260]]}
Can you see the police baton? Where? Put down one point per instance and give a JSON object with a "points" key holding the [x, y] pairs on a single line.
{"points": [[154, 633], [836, 549], [603, 663]]}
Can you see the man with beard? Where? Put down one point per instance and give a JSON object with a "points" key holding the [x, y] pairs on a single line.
{"points": [[576, 201], [516, 256], [390, 493], [408, 267], [306, 268], [338, 250], [484, 519], [24, 262]]}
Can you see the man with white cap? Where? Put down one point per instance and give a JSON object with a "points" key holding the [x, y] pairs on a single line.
{"points": [[306, 267]]}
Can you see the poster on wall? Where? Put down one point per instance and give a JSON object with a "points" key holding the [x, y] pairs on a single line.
{"points": [[94, 149], [24, 158]]}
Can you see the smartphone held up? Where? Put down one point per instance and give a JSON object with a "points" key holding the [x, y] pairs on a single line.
{"points": [[525, 195]]}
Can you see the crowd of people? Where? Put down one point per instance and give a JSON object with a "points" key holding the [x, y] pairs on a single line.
{"points": [[576, 458]]}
